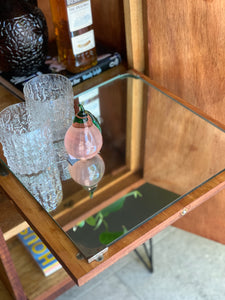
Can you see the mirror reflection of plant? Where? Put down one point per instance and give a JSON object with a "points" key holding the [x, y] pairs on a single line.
{"points": [[96, 221]]}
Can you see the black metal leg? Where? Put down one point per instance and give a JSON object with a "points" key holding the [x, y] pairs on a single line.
{"points": [[149, 253]]}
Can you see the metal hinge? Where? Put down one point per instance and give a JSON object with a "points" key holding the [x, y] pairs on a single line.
{"points": [[3, 169]]}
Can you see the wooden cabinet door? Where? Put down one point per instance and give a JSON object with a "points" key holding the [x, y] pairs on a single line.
{"points": [[155, 125], [186, 55]]}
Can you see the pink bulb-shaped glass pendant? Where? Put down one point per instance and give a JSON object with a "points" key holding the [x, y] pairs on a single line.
{"points": [[83, 140], [88, 172]]}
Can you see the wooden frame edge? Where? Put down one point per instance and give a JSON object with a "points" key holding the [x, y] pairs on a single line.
{"points": [[178, 99], [8, 272], [158, 223]]}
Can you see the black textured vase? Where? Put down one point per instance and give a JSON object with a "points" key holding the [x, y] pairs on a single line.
{"points": [[23, 37]]}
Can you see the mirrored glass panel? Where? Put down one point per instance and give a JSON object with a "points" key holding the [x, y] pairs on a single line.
{"points": [[146, 135]]}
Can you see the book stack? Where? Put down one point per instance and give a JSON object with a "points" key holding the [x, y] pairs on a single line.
{"points": [[15, 84], [40, 253]]}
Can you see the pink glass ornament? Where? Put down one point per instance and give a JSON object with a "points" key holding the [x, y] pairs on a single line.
{"points": [[83, 139], [88, 172]]}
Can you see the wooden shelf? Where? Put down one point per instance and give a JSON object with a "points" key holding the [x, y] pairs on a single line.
{"points": [[4, 294], [14, 223], [35, 284]]}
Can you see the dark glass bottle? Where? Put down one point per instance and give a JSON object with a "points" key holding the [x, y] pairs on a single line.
{"points": [[23, 37]]}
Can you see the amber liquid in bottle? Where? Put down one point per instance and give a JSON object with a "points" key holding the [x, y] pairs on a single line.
{"points": [[74, 34]]}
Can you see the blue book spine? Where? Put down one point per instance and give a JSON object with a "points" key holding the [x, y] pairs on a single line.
{"points": [[41, 254]]}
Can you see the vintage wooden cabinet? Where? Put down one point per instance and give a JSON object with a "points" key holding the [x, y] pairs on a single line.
{"points": [[147, 44]]}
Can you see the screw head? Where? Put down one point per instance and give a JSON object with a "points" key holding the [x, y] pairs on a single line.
{"points": [[100, 258], [79, 256], [184, 211]]}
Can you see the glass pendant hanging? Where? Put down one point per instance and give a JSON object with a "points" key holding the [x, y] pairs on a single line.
{"points": [[88, 173], [83, 139]]}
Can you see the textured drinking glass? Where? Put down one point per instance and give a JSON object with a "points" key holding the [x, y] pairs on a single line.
{"points": [[62, 160], [28, 151], [45, 187], [50, 97]]}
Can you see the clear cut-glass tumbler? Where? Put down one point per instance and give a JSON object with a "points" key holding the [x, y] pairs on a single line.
{"points": [[50, 97], [27, 150], [30, 155]]}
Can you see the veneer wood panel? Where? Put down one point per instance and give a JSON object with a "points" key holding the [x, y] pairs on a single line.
{"points": [[35, 284], [4, 294], [14, 223], [186, 50], [8, 273], [46, 9], [111, 14], [207, 220], [182, 150], [186, 55], [134, 26]]}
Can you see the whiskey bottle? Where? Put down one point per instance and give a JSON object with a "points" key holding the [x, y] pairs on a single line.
{"points": [[74, 34]]}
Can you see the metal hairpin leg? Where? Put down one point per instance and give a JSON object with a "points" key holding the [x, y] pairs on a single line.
{"points": [[149, 263]]}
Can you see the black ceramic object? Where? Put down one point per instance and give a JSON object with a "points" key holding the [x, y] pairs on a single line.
{"points": [[23, 37]]}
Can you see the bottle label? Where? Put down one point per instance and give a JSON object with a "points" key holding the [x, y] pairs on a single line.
{"points": [[79, 14], [83, 42]]}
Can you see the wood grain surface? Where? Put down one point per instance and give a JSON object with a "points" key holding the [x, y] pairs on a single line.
{"points": [[182, 150], [186, 50], [186, 42], [134, 26], [183, 146], [13, 223], [35, 284], [108, 22], [8, 273]]}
